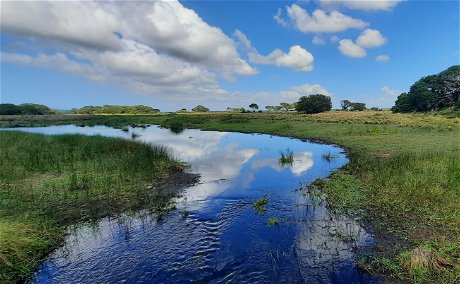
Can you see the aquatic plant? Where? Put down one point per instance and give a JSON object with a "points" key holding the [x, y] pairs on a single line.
{"points": [[260, 205], [272, 221], [287, 157], [328, 156]]}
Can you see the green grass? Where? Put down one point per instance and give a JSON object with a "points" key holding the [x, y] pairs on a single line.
{"points": [[49, 182], [287, 157], [273, 221], [260, 205], [403, 175]]}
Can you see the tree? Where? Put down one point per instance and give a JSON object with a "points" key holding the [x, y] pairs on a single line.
{"points": [[314, 104], [345, 104], [358, 106], [9, 109], [200, 108], [115, 109], [431, 92], [253, 106], [285, 106], [35, 109]]}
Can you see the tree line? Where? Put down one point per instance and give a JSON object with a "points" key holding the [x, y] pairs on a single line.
{"points": [[25, 109], [115, 109]]}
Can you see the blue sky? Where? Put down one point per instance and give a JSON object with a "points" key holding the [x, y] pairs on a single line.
{"points": [[173, 55]]}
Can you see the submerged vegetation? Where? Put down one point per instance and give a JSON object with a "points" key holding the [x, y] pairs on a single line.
{"points": [[260, 205], [273, 221], [49, 182]]}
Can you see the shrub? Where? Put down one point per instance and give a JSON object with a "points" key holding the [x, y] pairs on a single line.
{"points": [[314, 104]]}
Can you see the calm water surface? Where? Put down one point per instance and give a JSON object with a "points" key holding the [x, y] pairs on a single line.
{"points": [[215, 235]]}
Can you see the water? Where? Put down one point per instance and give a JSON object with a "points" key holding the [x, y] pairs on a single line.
{"points": [[215, 235]]}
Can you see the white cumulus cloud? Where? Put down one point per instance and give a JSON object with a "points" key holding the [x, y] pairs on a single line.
{"points": [[370, 38], [319, 21], [165, 47], [297, 58], [348, 48]]}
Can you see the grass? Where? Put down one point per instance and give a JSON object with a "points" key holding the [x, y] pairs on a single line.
{"points": [[287, 157], [260, 205], [273, 221], [403, 175], [328, 156], [50, 182]]}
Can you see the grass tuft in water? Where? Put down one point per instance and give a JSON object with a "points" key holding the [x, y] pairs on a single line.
{"points": [[273, 221], [287, 157], [329, 156], [260, 205]]}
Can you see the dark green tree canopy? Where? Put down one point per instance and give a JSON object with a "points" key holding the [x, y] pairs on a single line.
{"points": [[314, 104], [253, 106], [30, 109], [347, 105], [115, 109], [200, 108], [432, 92]]}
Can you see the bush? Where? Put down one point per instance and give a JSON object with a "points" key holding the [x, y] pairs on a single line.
{"points": [[9, 109], [314, 104], [200, 108], [31, 109]]}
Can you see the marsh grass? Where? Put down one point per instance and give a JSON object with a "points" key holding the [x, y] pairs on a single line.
{"points": [[328, 156], [134, 135], [260, 205], [286, 157], [48, 182], [273, 221]]}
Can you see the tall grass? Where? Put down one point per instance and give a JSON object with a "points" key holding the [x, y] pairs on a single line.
{"points": [[286, 157], [47, 182]]}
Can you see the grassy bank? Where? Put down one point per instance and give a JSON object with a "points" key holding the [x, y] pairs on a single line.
{"points": [[403, 176], [50, 182]]}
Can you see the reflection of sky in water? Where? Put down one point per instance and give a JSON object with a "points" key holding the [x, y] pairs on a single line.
{"points": [[221, 238]]}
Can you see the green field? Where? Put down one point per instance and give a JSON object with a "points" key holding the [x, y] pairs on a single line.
{"points": [[403, 177]]}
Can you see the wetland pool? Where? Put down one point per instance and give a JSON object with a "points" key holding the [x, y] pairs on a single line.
{"points": [[215, 235]]}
